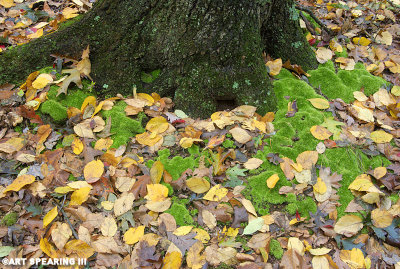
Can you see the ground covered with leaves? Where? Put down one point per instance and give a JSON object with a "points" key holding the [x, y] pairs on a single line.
{"points": [[128, 182]]}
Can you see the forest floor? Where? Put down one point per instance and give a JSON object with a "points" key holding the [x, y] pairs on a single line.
{"points": [[128, 182]]}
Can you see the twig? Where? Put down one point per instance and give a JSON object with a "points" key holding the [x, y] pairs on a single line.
{"points": [[67, 219], [309, 25], [329, 31]]}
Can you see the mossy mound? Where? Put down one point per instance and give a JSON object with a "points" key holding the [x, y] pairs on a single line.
{"points": [[181, 214], [10, 219], [123, 127], [343, 83], [293, 137], [175, 166]]}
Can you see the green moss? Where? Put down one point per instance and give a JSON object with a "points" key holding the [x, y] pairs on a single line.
{"points": [[304, 207], [175, 166], [244, 241], [181, 214], [293, 137], [56, 110], [228, 144], [122, 127], [344, 83], [394, 198], [275, 249], [10, 219]]}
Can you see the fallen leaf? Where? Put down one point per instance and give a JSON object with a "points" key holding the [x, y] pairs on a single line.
{"points": [[348, 225], [240, 135], [156, 172], [61, 234], [93, 171], [253, 163], [123, 204], [381, 218], [320, 133], [272, 180], [319, 103], [296, 244], [19, 183], [209, 219], [381, 136], [133, 235], [253, 226], [216, 193], [50, 216], [109, 226], [172, 260], [80, 196], [194, 258], [274, 66], [198, 184]]}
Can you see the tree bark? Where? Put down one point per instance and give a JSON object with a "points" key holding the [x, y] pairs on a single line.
{"points": [[206, 54]]}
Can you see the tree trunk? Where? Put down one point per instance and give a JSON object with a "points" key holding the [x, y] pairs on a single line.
{"points": [[205, 54]]}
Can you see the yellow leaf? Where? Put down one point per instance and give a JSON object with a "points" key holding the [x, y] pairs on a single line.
{"points": [[109, 226], [103, 143], [157, 125], [107, 205], [48, 248], [38, 34], [198, 184], [12, 145], [396, 90], [159, 206], [156, 192], [80, 248], [202, 235], [7, 3], [77, 146], [320, 186], [320, 262], [79, 184], [48, 218], [133, 235], [307, 159], [80, 196], [360, 96], [320, 133], [149, 100], [319, 103], [380, 137], [320, 251], [381, 218], [187, 142], [361, 183], [172, 260], [93, 171], [216, 193], [148, 139], [90, 100], [124, 184], [296, 244], [63, 190], [194, 258], [98, 108], [183, 230], [348, 225], [69, 13], [232, 231], [364, 114], [156, 172], [61, 235], [354, 258], [274, 66], [272, 180], [19, 183], [361, 41], [41, 81], [379, 172]]}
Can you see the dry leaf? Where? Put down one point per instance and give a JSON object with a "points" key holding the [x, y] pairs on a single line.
{"points": [[348, 225], [109, 226], [319, 103], [198, 184], [93, 171], [253, 163], [320, 133]]}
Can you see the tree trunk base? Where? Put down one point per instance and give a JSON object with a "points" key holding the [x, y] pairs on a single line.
{"points": [[205, 54]]}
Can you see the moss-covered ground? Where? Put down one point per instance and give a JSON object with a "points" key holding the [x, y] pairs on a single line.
{"points": [[293, 136]]}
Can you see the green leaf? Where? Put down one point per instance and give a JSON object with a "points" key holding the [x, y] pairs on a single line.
{"points": [[253, 226], [5, 250], [331, 124]]}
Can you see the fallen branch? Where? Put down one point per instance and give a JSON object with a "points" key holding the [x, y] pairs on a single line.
{"points": [[326, 29]]}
